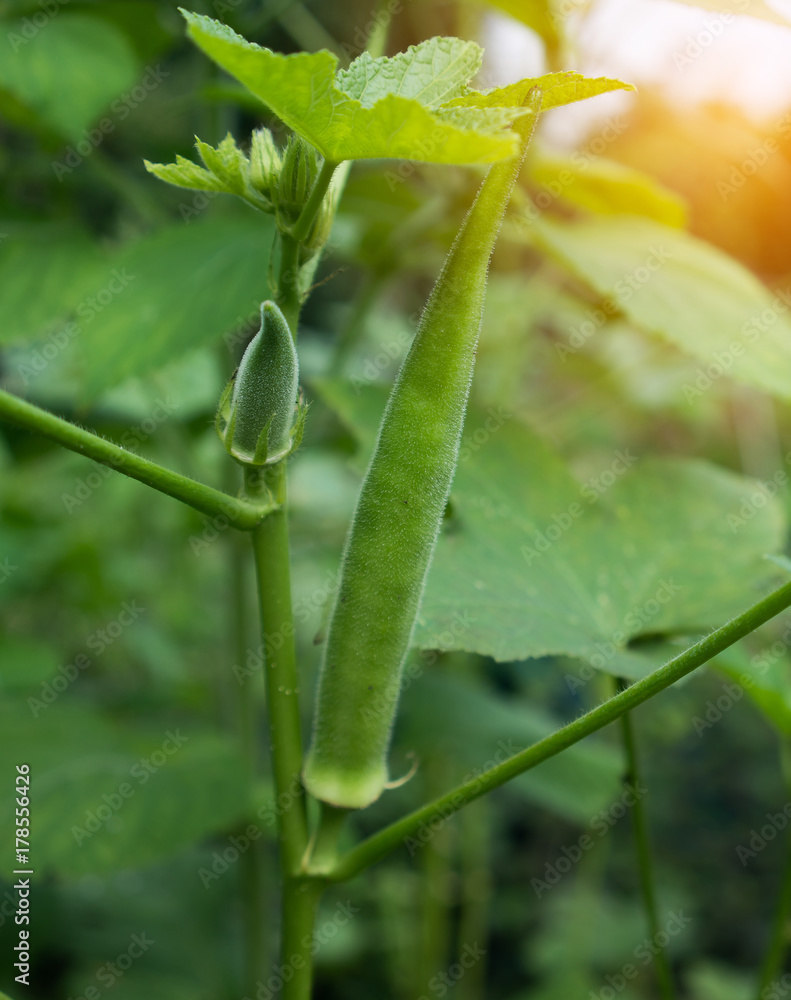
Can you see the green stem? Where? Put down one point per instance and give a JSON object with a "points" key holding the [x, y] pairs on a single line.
{"points": [[377, 40], [207, 500], [289, 296], [382, 843], [271, 553], [301, 228], [299, 896], [299, 903], [772, 965], [642, 844]]}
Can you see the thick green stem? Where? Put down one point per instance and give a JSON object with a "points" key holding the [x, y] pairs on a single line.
{"points": [[772, 965], [642, 844], [207, 500], [299, 896], [299, 904], [380, 844]]}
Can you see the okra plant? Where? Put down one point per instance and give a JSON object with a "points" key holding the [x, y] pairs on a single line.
{"points": [[418, 105]]}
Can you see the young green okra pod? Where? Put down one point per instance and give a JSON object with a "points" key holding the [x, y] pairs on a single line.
{"points": [[400, 510]]}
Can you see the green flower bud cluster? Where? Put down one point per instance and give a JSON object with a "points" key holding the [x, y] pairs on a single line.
{"points": [[274, 181], [259, 420]]}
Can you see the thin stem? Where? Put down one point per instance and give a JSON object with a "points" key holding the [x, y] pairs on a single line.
{"points": [[778, 941], [380, 844], [271, 553], [301, 228], [642, 843], [207, 500], [289, 296], [377, 40]]}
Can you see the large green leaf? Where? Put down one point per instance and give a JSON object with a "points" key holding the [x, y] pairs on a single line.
{"points": [[68, 71], [431, 73], [304, 91], [646, 551], [46, 270], [185, 286], [475, 726], [686, 291], [533, 562], [108, 798], [605, 187], [755, 8]]}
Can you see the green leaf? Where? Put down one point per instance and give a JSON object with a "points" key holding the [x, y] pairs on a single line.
{"points": [[110, 798], [654, 553], [557, 89], [186, 174], [765, 677], [304, 91], [433, 72], [533, 562], [185, 286], [46, 270], [682, 289], [605, 187], [475, 726], [227, 169], [755, 8], [69, 72]]}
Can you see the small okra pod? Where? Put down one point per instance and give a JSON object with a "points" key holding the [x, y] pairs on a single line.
{"points": [[256, 414], [400, 510]]}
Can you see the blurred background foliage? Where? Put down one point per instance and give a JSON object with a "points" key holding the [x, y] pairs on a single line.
{"points": [[127, 624]]}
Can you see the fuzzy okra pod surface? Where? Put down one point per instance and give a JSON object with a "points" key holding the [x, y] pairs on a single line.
{"points": [[400, 510]]}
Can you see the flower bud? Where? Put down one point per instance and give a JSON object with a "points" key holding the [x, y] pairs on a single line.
{"points": [[256, 415], [297, 177], [265, 163]]}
